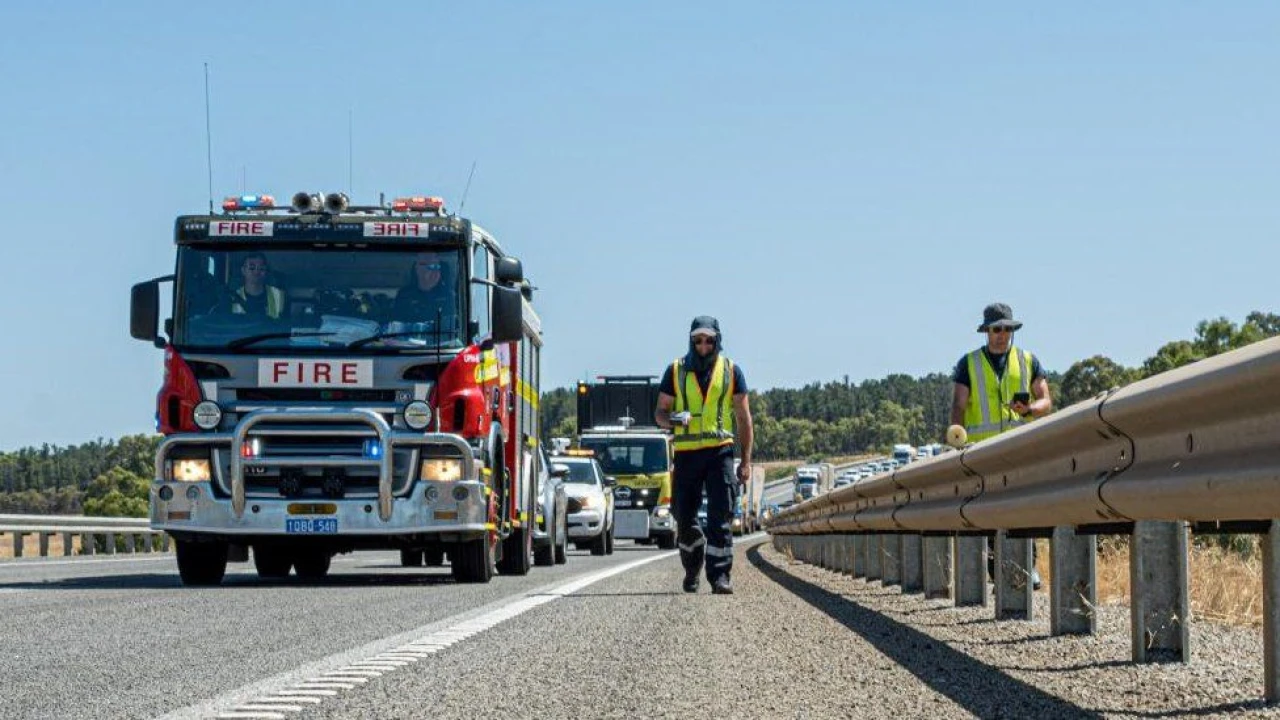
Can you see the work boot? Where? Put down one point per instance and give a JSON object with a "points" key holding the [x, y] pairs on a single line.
{"points": [[722, 586], [1035, 579], [691, 582]]}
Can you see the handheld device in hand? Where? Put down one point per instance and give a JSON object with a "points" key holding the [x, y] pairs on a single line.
{"points": [[681, 418], [1022, 397]]}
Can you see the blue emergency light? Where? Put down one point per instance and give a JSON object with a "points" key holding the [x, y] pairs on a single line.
{"points": [[372, 449], [248, 202]]}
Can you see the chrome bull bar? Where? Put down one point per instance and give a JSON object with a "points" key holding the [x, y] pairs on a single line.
{"points": [[388, 440]]}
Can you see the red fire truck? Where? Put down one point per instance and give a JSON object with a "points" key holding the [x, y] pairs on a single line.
{"points": [[338, 378]]}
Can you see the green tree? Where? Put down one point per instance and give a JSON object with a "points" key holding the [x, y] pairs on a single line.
{"points": [[117, 493], [1171, 355], [1086, 378]]}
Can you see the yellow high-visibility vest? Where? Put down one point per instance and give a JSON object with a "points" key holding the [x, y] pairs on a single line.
{"points": [[275, 302], [711, 424], [988, 413]]}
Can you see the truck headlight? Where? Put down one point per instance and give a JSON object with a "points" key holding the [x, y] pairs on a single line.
{"points": [[442, 469], [662, 511], [417, 415], [189, 470], [206, 415]]}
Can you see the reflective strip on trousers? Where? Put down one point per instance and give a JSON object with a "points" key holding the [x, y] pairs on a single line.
{"points": [[713, 551], [696, 544]]}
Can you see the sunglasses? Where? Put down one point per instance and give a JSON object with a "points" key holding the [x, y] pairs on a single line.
{"points": [[704, 340], [998, 330], [430, 266]]}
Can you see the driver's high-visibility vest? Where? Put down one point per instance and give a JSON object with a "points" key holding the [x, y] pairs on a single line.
{"points": [[275, 302], [711, 421], [988, 413]]}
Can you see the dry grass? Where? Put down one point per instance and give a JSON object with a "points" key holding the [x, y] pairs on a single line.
{"points": [[1226, 584], [31, 545]]}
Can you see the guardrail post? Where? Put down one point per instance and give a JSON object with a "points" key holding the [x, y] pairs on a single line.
{"points": [[1271, 611], [859, 552], [875, 559], [891, 573], [130, 543], [87, 544], [912, 577], [111, 543], [935, 566], [44, 544], [17, 544], [846, 554], [1013, 577], [164, 542], [971, 570], [1073, 587], [68, 544], [1160, 606]]}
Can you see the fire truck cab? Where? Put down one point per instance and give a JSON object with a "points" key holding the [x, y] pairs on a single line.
{"points": [[339, 378]]}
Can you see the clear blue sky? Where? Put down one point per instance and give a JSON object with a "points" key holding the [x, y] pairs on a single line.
{"points": [[844, 185]]}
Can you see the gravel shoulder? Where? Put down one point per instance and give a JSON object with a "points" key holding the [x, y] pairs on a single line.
{"points": [[798, 641]]}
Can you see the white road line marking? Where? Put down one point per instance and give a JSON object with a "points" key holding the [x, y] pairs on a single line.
{"points": [[397, 651]]}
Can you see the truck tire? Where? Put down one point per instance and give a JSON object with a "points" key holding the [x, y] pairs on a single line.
{"points": [[434, 557], [312, 564], [272, 563], [472, 561], [667, 541], [201, 563], [562, 545], [515, 552], [608, 543], [410, 558], [545, 555], [600, 545]]}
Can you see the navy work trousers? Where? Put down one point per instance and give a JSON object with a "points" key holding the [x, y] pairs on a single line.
{"points": [[710, 471]]}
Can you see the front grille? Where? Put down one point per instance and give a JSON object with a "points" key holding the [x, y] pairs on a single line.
{"points": [[341, 443], [315, 395], [645, 502], [575, 506]]}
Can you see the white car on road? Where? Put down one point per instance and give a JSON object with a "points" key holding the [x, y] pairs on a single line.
{"points": [[590, 503]]}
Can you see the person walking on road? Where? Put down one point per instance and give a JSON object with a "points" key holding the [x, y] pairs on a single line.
{"points": [[702, 399], [998, 387]]}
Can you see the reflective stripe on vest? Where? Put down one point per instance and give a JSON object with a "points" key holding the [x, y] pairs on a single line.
{"points": [[275, 302], [988, 413], [711, 424]]}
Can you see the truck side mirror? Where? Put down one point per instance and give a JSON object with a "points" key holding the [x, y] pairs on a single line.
{"points": [[509, 271], [508, 315], [558, 470], [144, 311], [610, 481]]}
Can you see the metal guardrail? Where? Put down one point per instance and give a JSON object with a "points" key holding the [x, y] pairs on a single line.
{"points": [[1193, 449], [87, 528]]}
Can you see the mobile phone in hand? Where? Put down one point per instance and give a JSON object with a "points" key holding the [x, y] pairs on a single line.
{"points": [[1022, 397]]}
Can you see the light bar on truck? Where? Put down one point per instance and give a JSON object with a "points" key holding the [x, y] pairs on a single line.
{"points": [[248, 202], [418, 203]]}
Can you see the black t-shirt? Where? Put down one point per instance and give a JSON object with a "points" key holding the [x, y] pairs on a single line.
{"points": [[413, 304], [253, 304], [998, 363], [668, 384]]}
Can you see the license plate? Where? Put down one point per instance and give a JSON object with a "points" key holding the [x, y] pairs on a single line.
{"points": [[622, 503], [311, 526]]}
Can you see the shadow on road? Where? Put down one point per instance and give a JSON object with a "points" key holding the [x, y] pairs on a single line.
{"points": [[979, 688], [164, 581]]}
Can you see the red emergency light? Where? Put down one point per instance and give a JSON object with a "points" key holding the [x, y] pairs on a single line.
{"points": [[248, 202], [418, 203]]}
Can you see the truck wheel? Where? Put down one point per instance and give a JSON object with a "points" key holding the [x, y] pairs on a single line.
{"points": [[545, 555], [201, 563], [667, 542], [562, 545], [472, 561], [271, 563], [410, 558], [515, 552], [434, 557], [312, 564], [600, 544]]}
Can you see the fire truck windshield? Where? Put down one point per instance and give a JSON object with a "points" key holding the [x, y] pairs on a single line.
{"points": [[244, 299]]}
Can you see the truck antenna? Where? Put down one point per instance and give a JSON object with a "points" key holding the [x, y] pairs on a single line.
{"points": [[208, 137], [350, 148], [467, 189]]}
